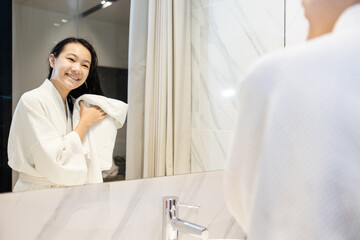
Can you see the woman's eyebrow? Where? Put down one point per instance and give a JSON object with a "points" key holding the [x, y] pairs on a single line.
{"points": [[73, 54]]}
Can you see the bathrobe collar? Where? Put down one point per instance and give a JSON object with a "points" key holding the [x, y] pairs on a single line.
{"points": [[54, 94], [348, 20]]}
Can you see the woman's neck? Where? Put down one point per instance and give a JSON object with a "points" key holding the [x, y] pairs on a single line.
{"points": [[63, 91]]}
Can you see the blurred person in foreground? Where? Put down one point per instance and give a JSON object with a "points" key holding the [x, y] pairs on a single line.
{"points": [[294, 164]]}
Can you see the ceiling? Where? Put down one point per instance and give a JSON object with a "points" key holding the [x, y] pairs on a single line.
{"points": [[118, 12]]}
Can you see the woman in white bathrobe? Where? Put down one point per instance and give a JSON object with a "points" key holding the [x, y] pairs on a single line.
{"points": [[294, 167], [43, 146]]}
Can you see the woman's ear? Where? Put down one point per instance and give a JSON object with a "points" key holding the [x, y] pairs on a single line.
{"points": [[52, 60]]}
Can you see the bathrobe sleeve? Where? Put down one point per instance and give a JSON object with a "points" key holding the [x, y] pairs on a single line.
{"points": [[35, 142]]}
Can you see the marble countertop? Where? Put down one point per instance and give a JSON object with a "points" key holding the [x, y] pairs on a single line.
{"points": [[115, 210]]}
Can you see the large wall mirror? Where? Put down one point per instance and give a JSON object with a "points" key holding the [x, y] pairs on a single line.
{"points": [[226, 38]]}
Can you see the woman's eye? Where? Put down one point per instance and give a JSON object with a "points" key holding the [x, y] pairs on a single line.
{"points": [[71, 60], [85, 66]]}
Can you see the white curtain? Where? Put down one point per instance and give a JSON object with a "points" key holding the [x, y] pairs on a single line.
{"points": [[159, 120]]}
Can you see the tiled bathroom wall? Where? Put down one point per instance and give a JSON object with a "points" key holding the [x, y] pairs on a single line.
{"points": [[227, 37]]}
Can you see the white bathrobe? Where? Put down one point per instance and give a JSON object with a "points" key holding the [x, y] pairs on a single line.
{"points": [[43, 147], [293, 171]]}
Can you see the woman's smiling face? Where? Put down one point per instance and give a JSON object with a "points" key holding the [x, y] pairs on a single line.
{"points": [[71, 67]]}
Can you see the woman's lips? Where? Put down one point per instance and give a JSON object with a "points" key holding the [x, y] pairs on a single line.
{"points": [[73, 77]]}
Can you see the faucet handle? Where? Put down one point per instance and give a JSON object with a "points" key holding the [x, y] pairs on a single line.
{"points": [[180, 204]]}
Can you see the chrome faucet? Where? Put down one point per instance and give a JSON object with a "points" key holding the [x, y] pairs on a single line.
{"points": [[172, 224]]}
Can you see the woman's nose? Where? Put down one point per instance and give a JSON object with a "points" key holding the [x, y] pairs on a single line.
{"points": [[75, 67]]}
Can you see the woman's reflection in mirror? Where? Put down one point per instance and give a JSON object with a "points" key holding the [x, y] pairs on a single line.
{"points": [[44, 146]]}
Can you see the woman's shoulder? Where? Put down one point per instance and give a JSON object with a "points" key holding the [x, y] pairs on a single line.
{"points": [[36, 94], [31, 96]]}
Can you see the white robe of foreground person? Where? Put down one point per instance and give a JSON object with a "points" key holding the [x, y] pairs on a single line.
{"points": [[42, 145], [293, 171]]}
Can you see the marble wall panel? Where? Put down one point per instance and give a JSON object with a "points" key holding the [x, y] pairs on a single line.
{"points": [[209, 149], [228, 36], [296, 23]]}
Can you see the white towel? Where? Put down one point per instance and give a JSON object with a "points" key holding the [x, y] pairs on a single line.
{"points": [[100, 139]]}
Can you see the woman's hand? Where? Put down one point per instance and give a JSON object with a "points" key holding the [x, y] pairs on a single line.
{"points": [[88, 117], [91, 115]]}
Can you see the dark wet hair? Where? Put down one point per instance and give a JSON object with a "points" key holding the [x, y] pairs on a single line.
{"points": [[92, 85]]}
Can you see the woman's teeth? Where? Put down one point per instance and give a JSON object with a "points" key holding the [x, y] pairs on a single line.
{"points": [[76, 79]]}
